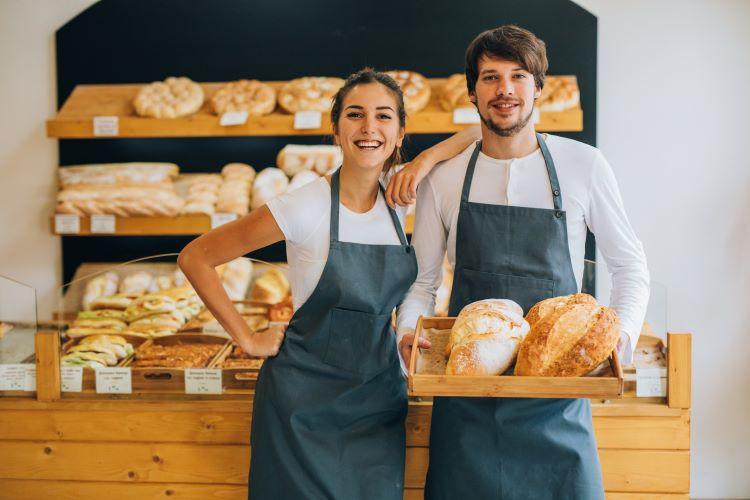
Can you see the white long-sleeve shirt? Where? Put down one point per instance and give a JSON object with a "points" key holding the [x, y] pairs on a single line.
{"points": [[590, 197]]}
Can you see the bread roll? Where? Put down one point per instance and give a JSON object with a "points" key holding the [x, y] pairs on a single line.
{"points": [[302, 178], [100, 286], [271, 288], [484, 339], [570, 336]]}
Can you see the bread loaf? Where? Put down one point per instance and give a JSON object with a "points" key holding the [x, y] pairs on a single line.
{"points": [[569, 337], [484, 339], [271, 288]]}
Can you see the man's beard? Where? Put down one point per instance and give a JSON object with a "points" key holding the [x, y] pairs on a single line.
{"points": [[507, 131]]}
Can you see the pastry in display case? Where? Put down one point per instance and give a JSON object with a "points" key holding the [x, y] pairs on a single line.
{"points": [[18, 326], [155, 325]]}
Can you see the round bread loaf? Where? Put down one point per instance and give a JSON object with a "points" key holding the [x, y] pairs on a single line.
{"points": [[484, 339], [569, 337]]}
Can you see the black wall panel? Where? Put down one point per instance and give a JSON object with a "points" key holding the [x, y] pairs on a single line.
{"points": [[117, 41]]}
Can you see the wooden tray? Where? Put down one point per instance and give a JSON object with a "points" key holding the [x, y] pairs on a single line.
{"points": [[237, 378], [89, 375], [426, 376], [157, 379]]}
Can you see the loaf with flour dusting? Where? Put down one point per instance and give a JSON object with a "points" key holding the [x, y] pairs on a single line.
{"points": [[485, 337]]}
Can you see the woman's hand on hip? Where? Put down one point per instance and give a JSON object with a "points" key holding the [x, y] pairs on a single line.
{"points": [[264, 343]]}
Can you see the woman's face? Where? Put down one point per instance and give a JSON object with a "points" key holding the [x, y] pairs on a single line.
{"points": [[368, 129]]}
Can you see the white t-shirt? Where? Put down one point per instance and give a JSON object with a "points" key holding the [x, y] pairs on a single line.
{"points": [[304, 216], [590, 197]]}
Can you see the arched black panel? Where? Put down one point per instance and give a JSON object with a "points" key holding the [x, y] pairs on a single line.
{"points": [[114, 41]]}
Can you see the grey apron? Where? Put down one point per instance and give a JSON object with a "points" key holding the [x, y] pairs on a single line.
{"points": [[512, 448], [329, 410]]}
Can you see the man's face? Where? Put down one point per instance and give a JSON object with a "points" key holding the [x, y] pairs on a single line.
{"points": [[504, 95]]}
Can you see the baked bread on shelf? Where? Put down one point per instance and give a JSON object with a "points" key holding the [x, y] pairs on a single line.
{"points": [[295, 158], [310, 93], [455, 94], [569, 337], [172, 98], [558, 94], [252, 96], [415, 87], [271, 288], [269, 183]]}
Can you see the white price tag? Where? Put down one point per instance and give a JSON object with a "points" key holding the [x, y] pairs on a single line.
{"points": [[18, 377], [71, 378], [202, 381], [233, 118], [650, 383], [29, 379], [67, 224], [463, 116], [113, 381], [106, 126], [307, 120], [535, 116], [103, 224], [213, 327], [221, 218]]}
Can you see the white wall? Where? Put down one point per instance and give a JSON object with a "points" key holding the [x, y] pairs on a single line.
{"points": [[672, 121], [28, 160]]}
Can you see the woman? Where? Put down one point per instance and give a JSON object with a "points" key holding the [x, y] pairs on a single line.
{"points": [[329, 410]]}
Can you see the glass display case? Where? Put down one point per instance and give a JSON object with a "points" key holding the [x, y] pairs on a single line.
{"points": [[139, 328], [18, 326]]}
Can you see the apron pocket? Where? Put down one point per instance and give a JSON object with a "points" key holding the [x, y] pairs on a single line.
{"points": [[521, 289], [358, 341]]}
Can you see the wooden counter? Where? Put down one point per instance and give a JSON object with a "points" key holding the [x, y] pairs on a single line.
{"points": [[156, 448]]}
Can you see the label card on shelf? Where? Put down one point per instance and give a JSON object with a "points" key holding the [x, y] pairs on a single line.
{"points": [[650, 382], [103, 224], [67, 224], [202, 381], [465, 116], [221, 218], [106, 126], [71, 378], [233, 118], [18, 377], [213, 327], [113, 381], [307, 120]]}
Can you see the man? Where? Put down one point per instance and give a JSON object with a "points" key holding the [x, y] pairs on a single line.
{"points": [[512, 213]]}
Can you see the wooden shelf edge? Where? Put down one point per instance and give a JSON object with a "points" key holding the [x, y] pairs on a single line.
{"points": [[75, 118], [182, 225]]}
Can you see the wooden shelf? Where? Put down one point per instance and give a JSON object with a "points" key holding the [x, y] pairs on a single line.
{"points": [[163, 226], [75, 119]]}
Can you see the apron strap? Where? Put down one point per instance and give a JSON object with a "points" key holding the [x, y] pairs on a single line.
{"points": [[397, 224], [551, 172], [335, 183], [335, 205], [470, 172]]}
